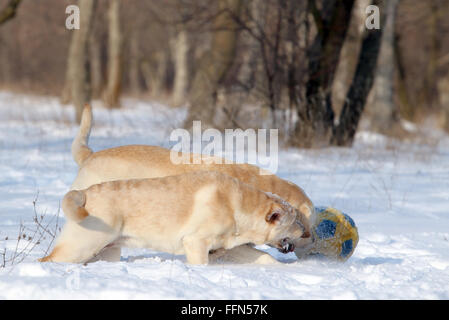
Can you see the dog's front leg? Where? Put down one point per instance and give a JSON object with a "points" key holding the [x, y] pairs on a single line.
{"points": [[196, 250], [242, 254]]}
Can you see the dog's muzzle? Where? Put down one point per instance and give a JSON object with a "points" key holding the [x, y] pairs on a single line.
{"points": [[286, 246]]}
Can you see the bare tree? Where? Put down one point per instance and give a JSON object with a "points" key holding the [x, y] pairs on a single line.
{"points": [[114, 74], [248, 76], [96, 68], [383, 113], [316, 125], [443, 86], [430, 77], [154, 72], [240, 63], [267, 48], [316, 115], [180, 49], [215, 64], [77, 85], [349, 54], [344, 132], [134, 60]]}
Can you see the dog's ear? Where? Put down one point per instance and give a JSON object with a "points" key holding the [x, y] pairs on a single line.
{"points": [[274, 216]]}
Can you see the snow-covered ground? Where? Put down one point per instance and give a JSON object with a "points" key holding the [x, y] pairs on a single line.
{"points": [[397, 193]]}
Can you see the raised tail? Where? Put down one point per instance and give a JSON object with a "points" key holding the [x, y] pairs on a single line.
{"points": [[80, 150], [73, 205]]}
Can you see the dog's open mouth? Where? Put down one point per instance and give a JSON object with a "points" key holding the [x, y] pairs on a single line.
{"points": [[285, 246]]}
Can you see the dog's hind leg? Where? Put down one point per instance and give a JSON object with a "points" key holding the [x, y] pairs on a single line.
{"points": [[242, 254], [77, 244]]}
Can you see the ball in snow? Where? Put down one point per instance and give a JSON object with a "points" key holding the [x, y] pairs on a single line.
{"points": [[335, 234]]}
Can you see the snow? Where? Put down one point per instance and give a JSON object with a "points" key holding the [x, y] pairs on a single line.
{"points": [[396, 192]]}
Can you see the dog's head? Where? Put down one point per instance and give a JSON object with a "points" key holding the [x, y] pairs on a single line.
{"points": [[285, 227]]}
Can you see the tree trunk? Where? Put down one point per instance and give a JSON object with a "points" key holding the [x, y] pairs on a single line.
{"points": [[95, 66], [114, 80], [251, 75], [77, 85], [349, 55], [406, 109], [362, 83], [180, 49], [5, 63], [134, 60], [214, 65], [316, 116], [383, 113], [443, 87], [430, 84], [154, 73]]}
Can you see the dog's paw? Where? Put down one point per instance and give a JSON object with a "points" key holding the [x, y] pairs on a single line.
{"points": [[266, 259]]}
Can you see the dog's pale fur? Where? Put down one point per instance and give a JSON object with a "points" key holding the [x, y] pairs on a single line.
{"points": [[189, 214], [141, 161]]}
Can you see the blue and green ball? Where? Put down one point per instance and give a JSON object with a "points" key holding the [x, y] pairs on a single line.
{"points": [[335, 234]]}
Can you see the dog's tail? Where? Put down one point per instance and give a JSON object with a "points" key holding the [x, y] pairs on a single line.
{"points": [[73, 205], [80, 150]]}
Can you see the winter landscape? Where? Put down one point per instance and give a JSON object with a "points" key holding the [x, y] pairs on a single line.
{"points": [[397, 193], [355, 93]]}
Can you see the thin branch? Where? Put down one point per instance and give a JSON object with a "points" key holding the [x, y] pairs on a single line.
{"points": [[9, 11], [316, 16], [34, 237]]}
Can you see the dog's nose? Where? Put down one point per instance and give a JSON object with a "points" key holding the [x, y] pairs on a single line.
{"points": [[290, 247], [287, 246]]}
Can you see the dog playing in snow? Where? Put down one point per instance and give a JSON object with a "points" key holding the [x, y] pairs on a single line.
{"points": [[141, 161], [189, 214]]}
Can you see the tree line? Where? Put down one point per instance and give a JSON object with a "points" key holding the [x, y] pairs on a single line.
{"points": [[308, 67]]}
